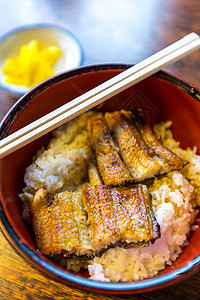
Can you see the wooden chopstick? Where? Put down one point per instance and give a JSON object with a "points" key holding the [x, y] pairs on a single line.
{"points": [[175, 46], [129, 72], [99, 94]]}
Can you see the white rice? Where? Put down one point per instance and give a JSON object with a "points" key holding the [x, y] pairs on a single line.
{"points": [[172, 200], [174, 197], [62, 166]]}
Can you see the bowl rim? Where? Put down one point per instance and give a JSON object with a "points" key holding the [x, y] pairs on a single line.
{"points": [[149, 284], [27, 27]]}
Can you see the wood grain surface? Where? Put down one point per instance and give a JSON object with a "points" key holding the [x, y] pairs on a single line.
{"points": [[109, 31]]}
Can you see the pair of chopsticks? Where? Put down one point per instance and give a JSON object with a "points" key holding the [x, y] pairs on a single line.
{"points": [[99, 94]]}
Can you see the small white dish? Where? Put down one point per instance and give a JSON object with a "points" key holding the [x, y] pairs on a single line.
{"points": [[47, 34]]}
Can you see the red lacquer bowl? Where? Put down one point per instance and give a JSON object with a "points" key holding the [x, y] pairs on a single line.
{"points": [[162, 97]]}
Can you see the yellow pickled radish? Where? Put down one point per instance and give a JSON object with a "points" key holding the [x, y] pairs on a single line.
{"points": [[33, 64]]}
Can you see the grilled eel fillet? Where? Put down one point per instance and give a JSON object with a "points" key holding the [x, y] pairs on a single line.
{"points": [[110, 165], [59, 223], [119, 216], [93, 173], [133, 145], [115, 216]]}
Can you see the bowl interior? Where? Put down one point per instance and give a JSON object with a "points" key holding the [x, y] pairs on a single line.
{"points": [[48, 35], [161, 99]]}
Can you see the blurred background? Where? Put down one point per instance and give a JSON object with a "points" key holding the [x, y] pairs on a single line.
{"points": [[125, 31], [117, 31]]}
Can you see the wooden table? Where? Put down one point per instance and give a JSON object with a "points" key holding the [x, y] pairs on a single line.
{"points": [[110, 31]]}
